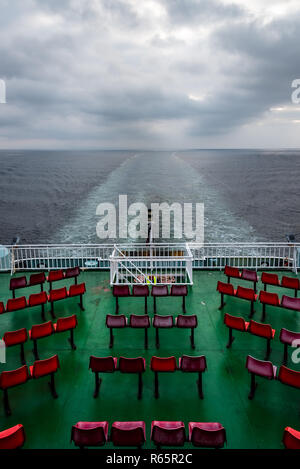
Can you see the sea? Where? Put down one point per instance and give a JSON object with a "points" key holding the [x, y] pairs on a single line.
{"points": [[52, 196]]}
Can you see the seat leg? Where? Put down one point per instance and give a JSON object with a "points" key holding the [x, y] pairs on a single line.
{"points": [[192, 337], [140, 390], [81, 303], [253, 387], [222, 301], [183, 305], [22, 355], [296, 292], [42, 287], [146, 305], [228, 279], [98, 382], [43, 312], [156, 338], [71, 339], [285, 354], [154, 304], [146, 338], [13, 294], [35, 350], [251, 309], [268, 349], [265, 287], [6, 403], [52, 310], [111, 343], [199, 383], [117, 305], [156, 392], [75, 280], [263, 316], [52, 386], [254, 286], [230, 339]]}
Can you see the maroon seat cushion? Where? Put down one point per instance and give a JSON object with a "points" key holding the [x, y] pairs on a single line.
{"points": [[159, 290], [260, 367], [249, 275], [290, 303], [192, 364], [128, 433], [132, 365], [37, 279], [121, 290], [72, 272], [139, 321], [163, 321], [140, 290], [89, 433], [18, 282], [290, 282], [168, 433], [207, 434], [186, 320], [288, 337], [103, 364], [179, 290], [116, 321]]}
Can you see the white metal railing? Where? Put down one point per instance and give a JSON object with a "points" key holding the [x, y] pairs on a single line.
{"points": [[188, 256]]}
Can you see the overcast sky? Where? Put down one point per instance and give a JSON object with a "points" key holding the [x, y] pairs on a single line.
{"points": [[149, 73]]}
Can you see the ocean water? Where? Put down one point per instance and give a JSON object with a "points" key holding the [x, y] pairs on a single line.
{"points": [[52, 196]]}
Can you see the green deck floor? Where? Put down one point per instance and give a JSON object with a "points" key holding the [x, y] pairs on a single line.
{"points": [[249, 424]]}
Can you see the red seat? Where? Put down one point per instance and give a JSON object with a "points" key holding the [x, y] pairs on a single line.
{"points": [[76, 290], [289, 303], [267, 298], [168, 433], [247, 294], [37, 279], [2, 308], [17, 282], [290, 282], [38, 299], [57, 294], [288, 338], [207, 434], [55, 276], [18, 337], [291, 438], [133, 365], [128, 433], [198, 365], [161, 364], [14, 304], [67, 324], [237, 323], [46, 367], [13, 437], [289, 377], [89, 434], [187, 322], [265, 369], [101, 365], [9, 379], [269, 279], [225, 289], [262, 330], [231, 272]]}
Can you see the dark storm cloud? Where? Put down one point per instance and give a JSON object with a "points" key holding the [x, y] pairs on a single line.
{"points": [[114, 73]]}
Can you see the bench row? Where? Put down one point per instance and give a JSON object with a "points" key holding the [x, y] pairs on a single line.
{"points": [[95, 434], [40, 331], [40, 278], [158, 322], [40, 299], [121, 291]]}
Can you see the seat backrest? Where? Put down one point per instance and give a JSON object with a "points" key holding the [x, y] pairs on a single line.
{"points": [[45, 367], [36, 299], [64, 324], [225, 288], [179, 290], [262, 330], [14, 304], [121, 290], [140, 290], [187, 320], [57, 294], [289, 377], [132, 365], [168, 433], [249, 275], [136, 320], [36, 279], [72, 272], [163, 363], [55, 275], [290, 303], [245, 293], [269, 279], [260, 367], [89, 433], [128, 433], [159, 290], [75, 290], [269, 298], [290, 282], [231, 271], [117, 321], [17, 282], [192, 364], [41, 330], [207, 434], [102, 364], [235, 322], [2, 307], [291, 438], [15, 337], [12, 438], [12, 378]]}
